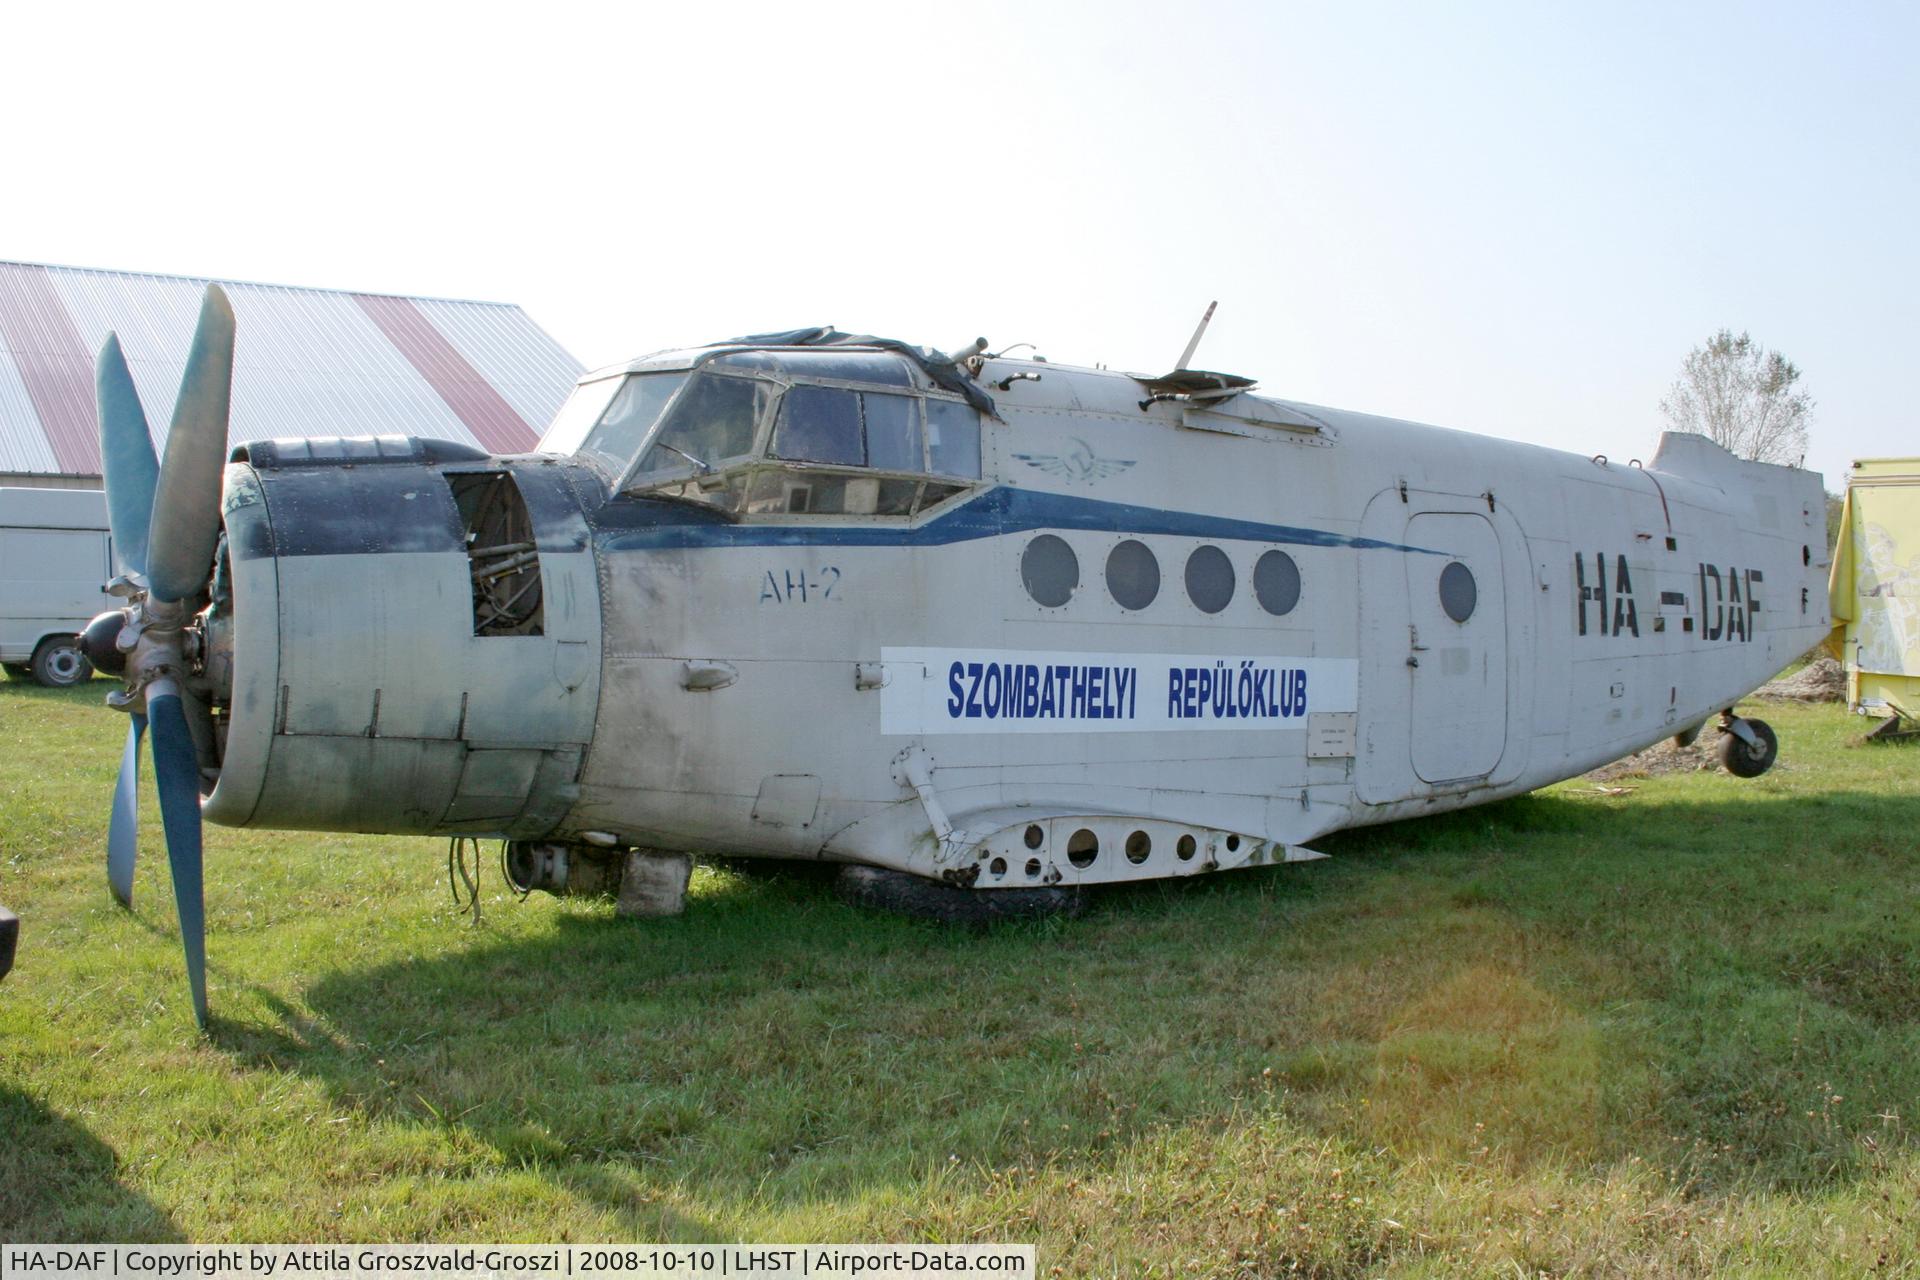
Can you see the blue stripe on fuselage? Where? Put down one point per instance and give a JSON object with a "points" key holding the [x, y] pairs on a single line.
{"points": [[994, 513]]}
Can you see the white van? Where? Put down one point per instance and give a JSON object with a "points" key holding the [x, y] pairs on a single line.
{"points": [[56, 558]]}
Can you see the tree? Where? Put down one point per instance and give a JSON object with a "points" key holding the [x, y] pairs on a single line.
{"points": [[1743, 399]]}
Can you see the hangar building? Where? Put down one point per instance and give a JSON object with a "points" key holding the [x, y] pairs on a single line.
{"points": [[307, 362]]}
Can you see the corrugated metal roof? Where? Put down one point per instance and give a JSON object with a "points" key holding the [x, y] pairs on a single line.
{"points": [[307, 362]]}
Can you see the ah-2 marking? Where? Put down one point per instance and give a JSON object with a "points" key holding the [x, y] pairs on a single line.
{"points": [[797, 586]]}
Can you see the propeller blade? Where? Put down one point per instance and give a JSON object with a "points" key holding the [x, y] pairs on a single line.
{"points": [[176, 772], [123, 831], [186, 508], [126, 457]]}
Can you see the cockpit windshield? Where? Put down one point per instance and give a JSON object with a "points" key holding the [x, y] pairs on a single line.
{"points": [[569, 428], [709, 425], [616, 437]]}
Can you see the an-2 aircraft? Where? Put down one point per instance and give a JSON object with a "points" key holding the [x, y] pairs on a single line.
{"points": [[992, 629]]}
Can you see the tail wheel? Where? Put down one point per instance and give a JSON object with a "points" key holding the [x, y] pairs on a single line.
{"points": [[58, 662], [1744, 760]]}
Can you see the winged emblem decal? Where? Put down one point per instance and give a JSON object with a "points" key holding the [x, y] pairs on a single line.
{"points": [[1079, 463]]}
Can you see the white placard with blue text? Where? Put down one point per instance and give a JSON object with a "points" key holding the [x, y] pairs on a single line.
{"points": [[932, 691]]}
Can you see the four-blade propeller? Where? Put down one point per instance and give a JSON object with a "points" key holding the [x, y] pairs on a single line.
{"points": [[165, 518]]}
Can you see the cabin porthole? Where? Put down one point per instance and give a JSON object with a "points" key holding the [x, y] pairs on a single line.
{"points": [[997, 868], [1033, 868], [1050, 570], [1133, 575], [1458, 593], [1035, 836], [1139, 845], [1209, 579], [1186, 848], [1082, 848], [1276, 583], [1233, 844]]}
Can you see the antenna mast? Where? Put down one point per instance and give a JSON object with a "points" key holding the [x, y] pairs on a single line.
{"points": [[1194, 341]]}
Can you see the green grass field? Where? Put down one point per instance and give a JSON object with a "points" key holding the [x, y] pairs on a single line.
{"points": [[1670, 1031]]}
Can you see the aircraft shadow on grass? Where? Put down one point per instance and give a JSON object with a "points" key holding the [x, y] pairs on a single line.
{"points": [[1542, 978], [59, 1183]]}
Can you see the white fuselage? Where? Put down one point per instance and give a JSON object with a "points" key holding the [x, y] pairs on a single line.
{"points": [[1451, 619]]}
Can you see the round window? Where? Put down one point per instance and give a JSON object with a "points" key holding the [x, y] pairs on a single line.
{"points": [[1458, 594], [1050, 570], [1209, 579], [1133, 575], [1276, 583]]}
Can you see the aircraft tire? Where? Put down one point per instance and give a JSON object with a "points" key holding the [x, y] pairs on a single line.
{"points": [[925, 899], [1743, 761], [58, 663], [9, 938]]}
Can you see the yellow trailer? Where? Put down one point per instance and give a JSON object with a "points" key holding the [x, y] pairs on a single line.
{"points": [[1874, 590]]}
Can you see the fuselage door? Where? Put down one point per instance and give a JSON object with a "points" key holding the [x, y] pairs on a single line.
{"points": [[1457, 647]]}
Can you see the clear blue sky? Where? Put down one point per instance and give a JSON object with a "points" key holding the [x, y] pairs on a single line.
{"points": [[1512, 218]]}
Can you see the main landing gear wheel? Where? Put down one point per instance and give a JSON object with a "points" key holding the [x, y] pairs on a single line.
{"points": [[1748, 759], [907, 895], [58, 662]]}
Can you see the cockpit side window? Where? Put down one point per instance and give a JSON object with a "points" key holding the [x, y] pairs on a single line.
{"points": [[820, 424], [893, 431], [953, 439], [838, 427]]}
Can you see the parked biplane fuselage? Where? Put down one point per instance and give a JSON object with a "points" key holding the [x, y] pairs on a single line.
{"points": [[810, 603]]}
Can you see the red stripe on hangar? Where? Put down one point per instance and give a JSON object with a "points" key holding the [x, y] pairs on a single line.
{"points": [[471, 397], [55, 366]]}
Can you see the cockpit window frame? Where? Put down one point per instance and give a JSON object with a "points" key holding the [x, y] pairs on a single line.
{"points": [[688, 481]]}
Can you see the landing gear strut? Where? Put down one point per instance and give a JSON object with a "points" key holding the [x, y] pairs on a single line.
{"points": [[1747, 748]]}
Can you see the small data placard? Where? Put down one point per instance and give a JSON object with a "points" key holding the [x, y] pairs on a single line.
{"points": [[1330, 734]]}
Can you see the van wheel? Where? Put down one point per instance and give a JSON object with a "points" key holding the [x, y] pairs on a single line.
{"points": [[58, 662], [929, 900]]}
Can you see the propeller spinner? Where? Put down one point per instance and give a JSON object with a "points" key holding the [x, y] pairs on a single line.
{"points": [[166, 527]]}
